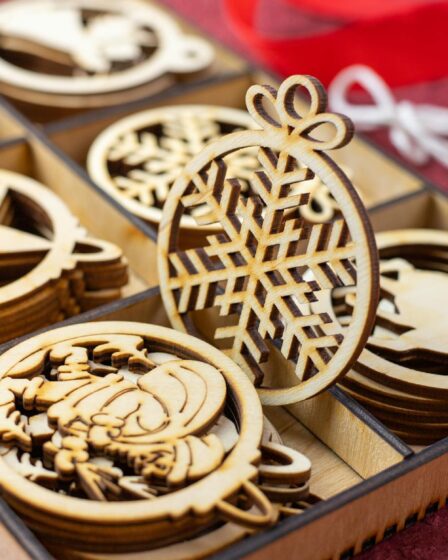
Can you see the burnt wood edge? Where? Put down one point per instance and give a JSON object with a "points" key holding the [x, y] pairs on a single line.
{"points": [[42, 134], [256, 66], [33, 132], [256, 542], [356, 408], [10, 519], [245, 547], [88, 316]]}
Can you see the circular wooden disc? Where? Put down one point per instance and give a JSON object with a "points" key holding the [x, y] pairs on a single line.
{"points": [[93, 47], [138, 158], [263, 270], [121, 395], [419, 296], [401, 374]]}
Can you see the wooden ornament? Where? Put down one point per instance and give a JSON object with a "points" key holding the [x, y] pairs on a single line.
{"points": [[401, 374], [160, 431], [49, 268], [295, 466], [264, 268], [58, 52], [322, 207], [137, 159]]}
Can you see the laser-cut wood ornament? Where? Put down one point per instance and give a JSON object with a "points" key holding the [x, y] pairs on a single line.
{"points": [[401, 374], [263, 270], [216, 539], [49, 267], [322, 207], [158, 430], [72, 52], [138, 158]]}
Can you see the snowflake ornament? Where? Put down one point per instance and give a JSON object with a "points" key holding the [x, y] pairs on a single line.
{"points": [[138, 159], [264, 266]]}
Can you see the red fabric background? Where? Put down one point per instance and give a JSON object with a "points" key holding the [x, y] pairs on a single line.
{"points": [[281, 18], [427, 540]]}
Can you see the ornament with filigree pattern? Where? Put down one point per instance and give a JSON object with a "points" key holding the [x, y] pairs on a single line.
{"points": [[401, 374], [138, 158], [49, 268], [76, 53], [161, 432], [265, 267]]}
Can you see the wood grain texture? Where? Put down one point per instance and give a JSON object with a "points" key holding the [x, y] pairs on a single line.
{"points": [[400, 376], [365, 518], [49, 267], [83, 52], [138, 158], [264, 268], [159, 431], [330, 474]]}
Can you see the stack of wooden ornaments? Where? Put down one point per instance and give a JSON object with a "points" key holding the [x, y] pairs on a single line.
{"points": [[132, 441], [75, 54], [49, 268], [162, 433], [401, 375]]}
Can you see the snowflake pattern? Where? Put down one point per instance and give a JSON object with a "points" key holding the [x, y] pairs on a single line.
{"points": [[260, 263], [144, 163], [250, 267]]}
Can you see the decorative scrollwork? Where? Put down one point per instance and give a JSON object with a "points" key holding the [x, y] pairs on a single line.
{"points": [[120, 412]]}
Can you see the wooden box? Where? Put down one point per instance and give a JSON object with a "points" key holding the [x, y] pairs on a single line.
{"points": [[373, 484]]}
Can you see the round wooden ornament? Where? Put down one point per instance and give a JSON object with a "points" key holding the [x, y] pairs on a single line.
{"points": [[411, 320], [138, 158], [159, 431], [49, 267], [227, 533], [58, 52], [401, 374], [265, 267]]}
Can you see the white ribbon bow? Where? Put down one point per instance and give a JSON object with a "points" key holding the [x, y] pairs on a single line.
{"points": [[416, 131]]}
